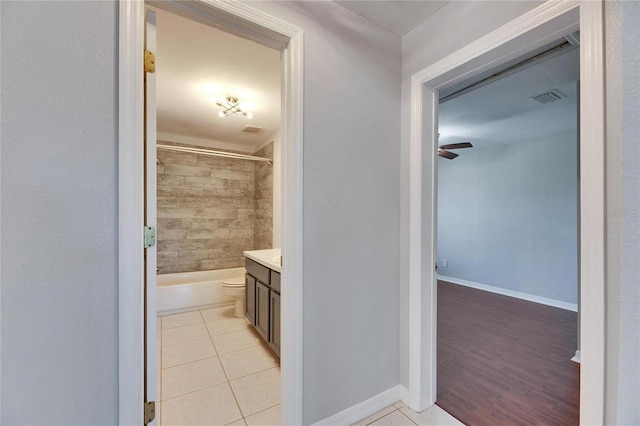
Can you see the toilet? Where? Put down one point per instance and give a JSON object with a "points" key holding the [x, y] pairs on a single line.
{"points": [[234, 287]]}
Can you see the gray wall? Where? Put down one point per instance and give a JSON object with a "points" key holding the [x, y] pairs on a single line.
{"points": [[507, 217], [59, 213], [623, 212], [351, 205]]}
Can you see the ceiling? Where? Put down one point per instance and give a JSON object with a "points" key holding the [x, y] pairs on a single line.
{"points": [[398, 16], [502, 112], [197, 65]]}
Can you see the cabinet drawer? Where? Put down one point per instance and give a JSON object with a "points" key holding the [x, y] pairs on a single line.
{"points": [[261, 273], [275, 281]]}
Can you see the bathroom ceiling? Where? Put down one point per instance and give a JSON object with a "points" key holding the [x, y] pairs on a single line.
{"points": [[502, 112], [398, 16], [197, 65]]}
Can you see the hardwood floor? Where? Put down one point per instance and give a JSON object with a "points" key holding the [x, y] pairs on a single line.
{"points": [[505, 361]]}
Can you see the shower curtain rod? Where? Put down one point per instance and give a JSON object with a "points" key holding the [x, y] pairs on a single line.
{"points": [[213, 153]]}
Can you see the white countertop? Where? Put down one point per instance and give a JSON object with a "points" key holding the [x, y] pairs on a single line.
{"points": [[270, 258]]}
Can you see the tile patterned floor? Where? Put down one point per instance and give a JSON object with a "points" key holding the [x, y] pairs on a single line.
{"points": [[214, 370], [399, 414]]}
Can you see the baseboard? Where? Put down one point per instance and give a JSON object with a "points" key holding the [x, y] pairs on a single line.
{"points": [[518, 295], [365, 408], [576, 357]]}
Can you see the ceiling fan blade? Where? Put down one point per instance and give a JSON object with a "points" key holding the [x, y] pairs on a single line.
{"points": [[457, 145], [447, 154]]}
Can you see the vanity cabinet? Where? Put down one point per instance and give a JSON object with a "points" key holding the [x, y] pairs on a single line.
{"points": [[262, 302]]}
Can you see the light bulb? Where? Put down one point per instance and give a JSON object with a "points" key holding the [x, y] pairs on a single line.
{"points": [[221, 113], [249, 115]]}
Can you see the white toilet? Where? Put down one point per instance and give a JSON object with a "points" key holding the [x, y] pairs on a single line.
{"points": [[234, 287]]}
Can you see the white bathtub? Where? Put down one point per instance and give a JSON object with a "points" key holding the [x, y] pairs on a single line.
{"points": [[187, 291]]}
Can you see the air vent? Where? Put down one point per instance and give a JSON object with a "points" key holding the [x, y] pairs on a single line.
{"points": [[549, 96], [252, 129]]}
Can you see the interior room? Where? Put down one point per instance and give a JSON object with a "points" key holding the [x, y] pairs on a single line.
{"points": [[358, 107], [508, 249], [218, 226]]}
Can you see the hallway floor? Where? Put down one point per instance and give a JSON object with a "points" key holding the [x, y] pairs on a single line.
{"points": [[214, 370]]}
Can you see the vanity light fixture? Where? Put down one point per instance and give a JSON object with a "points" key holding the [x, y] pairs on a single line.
{"points": [[231, 106]]}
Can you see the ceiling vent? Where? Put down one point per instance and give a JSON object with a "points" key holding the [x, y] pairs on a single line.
{"points": [[252, 129], [549, 96]]}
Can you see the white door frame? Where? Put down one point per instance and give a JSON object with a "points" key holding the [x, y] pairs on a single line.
{"points": [[241, 19], [541, 25]]}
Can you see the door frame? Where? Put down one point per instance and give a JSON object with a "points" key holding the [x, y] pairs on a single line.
{"points": [[543, 24], [249, 22]]}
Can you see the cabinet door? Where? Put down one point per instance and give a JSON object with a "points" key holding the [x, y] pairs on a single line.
{"points": [[250, 298], [274, 324], [262, 310]]}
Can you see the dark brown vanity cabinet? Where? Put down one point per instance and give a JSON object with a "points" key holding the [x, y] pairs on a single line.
{"points": [[262, 302]]}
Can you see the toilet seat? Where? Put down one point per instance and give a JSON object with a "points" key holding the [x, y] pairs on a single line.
{"points": [[233, 282]]}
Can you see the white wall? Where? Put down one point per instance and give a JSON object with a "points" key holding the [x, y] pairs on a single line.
{"points": [[59, 213], [508, 217], [449, 29]]}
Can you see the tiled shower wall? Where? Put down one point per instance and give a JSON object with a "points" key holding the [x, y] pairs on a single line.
{"points": [[205, 211], [263, 211]]}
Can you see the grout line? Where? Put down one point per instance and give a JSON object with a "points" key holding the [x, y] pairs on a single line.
{"points": [[226, 376], [410, 419]]}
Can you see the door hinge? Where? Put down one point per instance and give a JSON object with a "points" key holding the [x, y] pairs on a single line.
{"points": [[149, 236], [436, 267], [149, 412], [149, 61]]}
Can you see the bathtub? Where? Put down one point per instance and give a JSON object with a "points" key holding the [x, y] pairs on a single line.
{"points": [[187, 291]]}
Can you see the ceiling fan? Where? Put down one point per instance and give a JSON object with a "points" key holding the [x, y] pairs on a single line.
{"points": [[443, 149]]}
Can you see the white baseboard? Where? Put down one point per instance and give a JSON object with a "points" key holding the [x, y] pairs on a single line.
{"points": [[576, 357], [365, 408], [518, 295]]}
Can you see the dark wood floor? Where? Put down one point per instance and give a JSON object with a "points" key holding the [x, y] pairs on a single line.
{"points": [[505, 361]]}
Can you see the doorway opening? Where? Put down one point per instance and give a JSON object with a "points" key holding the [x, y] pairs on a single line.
{"points": [[246, 22], [542, 25], [507, 225], [218, 169]]}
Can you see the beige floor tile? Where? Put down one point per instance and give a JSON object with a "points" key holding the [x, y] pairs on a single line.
{"points": [[399, 404], [221, 312], [247, 361], [212, 406], [431, 417], [158, 323], [240, 422], [186, 333], [226, 325], [268, 417], [190, 377], [396, 418], [258, 391], [231, 342], [179, 320], [159, 413], [159, 351], [375, 416], [185, 352]]}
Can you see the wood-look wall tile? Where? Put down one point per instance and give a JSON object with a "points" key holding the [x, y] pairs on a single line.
{"points": [[179, 191], [182, 170], [176, 212], [170, 180]]}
